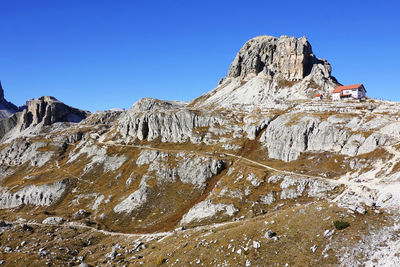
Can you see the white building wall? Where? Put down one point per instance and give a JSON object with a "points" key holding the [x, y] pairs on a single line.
{"points": [[336, 96]]}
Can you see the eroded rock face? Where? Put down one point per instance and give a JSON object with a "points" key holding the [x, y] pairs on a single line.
{"points": [[289, 57], [151, 118], [48, 110], [289, 135], [38, 195], [294, 187], [192, 170], [97, 155], [134, 200], [53, 220], [18, 153], [207, 210]]}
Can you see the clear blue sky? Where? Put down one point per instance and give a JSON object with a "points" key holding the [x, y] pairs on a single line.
{"points": [[99, 54]]}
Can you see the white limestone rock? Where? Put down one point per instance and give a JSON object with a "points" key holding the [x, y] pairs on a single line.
{"points": [[38, 195], [53, 220], [285, 140], [268, 199], [254, 180], [19, 152], [134, 200], [319, 189], [294, 187], [207, 210], [291, 134], [97, 155], [151, 118], [195, 170], [372, 142]]}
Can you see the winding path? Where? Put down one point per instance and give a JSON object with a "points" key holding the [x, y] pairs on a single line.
{"points": [[332, 181]]}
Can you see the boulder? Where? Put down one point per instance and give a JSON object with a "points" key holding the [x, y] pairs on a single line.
{"points": [[53, 220]]}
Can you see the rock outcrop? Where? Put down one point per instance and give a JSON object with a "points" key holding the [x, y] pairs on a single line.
{"points": [[48, 110], [291, 134], [194, 171], [18, 153], [268, 69], [149, 119], [6, 108], [207, 210], [38, 195]]}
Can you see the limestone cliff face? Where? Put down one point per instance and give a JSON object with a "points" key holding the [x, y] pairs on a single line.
{"points": [[48, 110], [287, 136], [149, 119], [43, 195], [269, 69], [287, 56]]}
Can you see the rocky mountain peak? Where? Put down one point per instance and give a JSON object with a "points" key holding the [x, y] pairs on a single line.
{"points": [[289, 57], [269, 69], [1, 91], [48, 110]]}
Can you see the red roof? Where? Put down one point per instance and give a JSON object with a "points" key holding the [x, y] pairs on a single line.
{"points": [[346, 87], [318, 95]]}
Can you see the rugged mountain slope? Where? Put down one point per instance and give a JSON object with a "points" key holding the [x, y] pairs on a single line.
{"points": [[184, 184], [268, 70], [6, 108]]}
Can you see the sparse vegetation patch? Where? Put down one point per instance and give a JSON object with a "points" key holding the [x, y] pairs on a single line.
{"points": [[340, 225]]}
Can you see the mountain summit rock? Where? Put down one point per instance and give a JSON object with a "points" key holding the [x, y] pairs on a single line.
{"points": [[268, 69]]}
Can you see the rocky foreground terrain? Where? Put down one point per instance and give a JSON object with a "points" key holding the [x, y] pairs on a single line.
{"points": [[254, 173]]}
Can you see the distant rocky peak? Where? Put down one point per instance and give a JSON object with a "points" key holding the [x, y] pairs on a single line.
{"points": [[1, 91], [48, 110], [6, 108]]}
